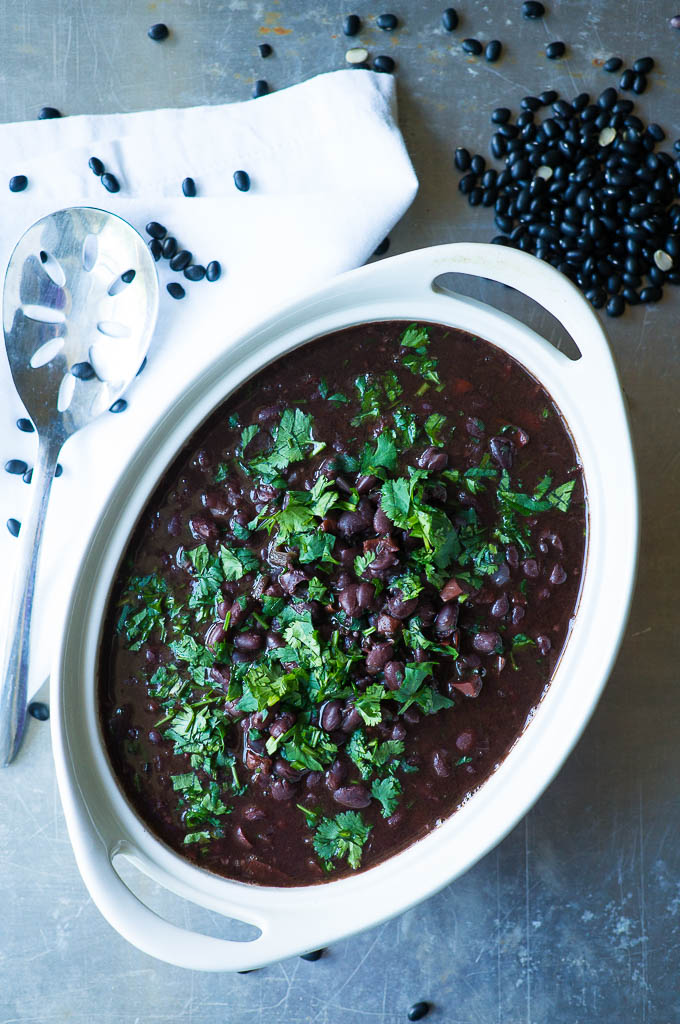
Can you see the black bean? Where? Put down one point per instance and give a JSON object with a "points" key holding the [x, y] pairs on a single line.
{"points": [[158, 32], [38, 710], [639, 84], [493, 50], [96, 166], [17, 467], [213, 271], [467, 183], [547, 97], [156, 230], [189, 188], [478, 164], [242, 180], [351, 26], [48, 113], [418, 1010], [25, 425], [13, 525], [613, 64], [265, 50], [381, 249], [330, 716], [383, 63], [607, 99], [118, 406], [355, 796], [169, 247], [447, 619], [18, 183], [175, 290], [377, 657], [656, 131], [626, 80], [282, 789], [195, 272], [180, 260], [316, 954], [59, 470], [486, 642], [501, 115], [394, 673], [500, 606], [533, 9], [83, 371], [472, 46], [462, 158], [643, 65], [155, 248], [650, 294], [261, 88], [433, 460], [110, 182], [387, 22], [615, 306], [450, 19], [128, 276], [554, 51]]}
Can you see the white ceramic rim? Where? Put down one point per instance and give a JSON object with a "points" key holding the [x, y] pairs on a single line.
{"points": [[102, 825]]}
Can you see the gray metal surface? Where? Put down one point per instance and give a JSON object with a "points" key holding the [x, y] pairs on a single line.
{"points": [[575, 917]]}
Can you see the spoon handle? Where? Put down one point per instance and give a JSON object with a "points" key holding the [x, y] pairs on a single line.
{"points": [[14, 682]]}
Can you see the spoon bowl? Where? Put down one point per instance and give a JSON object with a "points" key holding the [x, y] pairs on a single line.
{"points": [[79, 308]]}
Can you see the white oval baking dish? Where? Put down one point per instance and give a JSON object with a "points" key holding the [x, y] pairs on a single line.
{"points": [[102, 825]]}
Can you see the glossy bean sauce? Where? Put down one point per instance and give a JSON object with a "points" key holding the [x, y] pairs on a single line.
{"points": [[342, 603]]}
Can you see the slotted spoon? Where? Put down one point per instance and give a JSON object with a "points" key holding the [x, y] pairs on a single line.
{"points": [[79, 308]]}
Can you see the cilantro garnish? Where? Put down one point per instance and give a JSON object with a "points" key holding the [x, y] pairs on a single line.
{"points": [[341, 837], [416, 340], [293, 441]]}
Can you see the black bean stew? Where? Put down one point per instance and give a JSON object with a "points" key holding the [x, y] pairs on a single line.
{"points": [[342, 603]]}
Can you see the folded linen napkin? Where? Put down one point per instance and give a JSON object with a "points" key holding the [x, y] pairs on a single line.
{"points": [[330, 176]]}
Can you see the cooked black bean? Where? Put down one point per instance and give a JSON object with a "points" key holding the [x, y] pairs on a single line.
{"points": [[175, 290], [242, 180], [181, 260], [158, 32], [351, 26], [189, 188], [18, 183], [493, 51], [500, 607], [446, 619], [261, 88], [394, 672], [613, 64], [472, 46], [16, 467], [110, 182], [381, 249], [387, 22], [96, 166], [195, 272], [418, 1010], [155, 249], [356, 796], [330, 715], [383, 63], [401, 608], [83, 371], [120, 405], [213, 271], [450, 19], [13, 525], [378, 656], [486, 642], [39, 710], [555, 50], [433, 460]]}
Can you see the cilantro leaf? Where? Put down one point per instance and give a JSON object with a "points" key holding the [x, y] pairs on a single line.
{"points": [[293, 441], [395, 501], [434, 424], [387, 791], [384, 456], [343, 836]]}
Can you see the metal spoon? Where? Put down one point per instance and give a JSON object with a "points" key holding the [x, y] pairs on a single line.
{"points": [[79, 308]]}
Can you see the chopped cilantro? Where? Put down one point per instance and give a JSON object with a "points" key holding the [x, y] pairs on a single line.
{"points": [[340, 837], [387, 791]]}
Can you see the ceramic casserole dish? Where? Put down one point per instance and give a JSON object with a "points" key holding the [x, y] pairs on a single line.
{"points": [[103, 827]]}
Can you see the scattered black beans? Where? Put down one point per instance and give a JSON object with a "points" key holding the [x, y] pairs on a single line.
{"points": [[643, 65], [156, 230], [18, 183], [195, 272], [213, 271], [381, 249], [96, 166], [175, 290], [48, 113], [28, 476], [83, 371], [169, 247], [351, 26], [265, 50], [120, 405], [554, 51], [189, 188], [418, 1010], [472, 46], [493, 50], [25, 425], [155, 248], [17, 467], [613, 64], [261, 88], [533, 9], [450, 19], [158, 32], [13, 525], [315, 954], [383, 63], [38, 710], [181, 260], [387, 22], [110, 182], [242, 180]]}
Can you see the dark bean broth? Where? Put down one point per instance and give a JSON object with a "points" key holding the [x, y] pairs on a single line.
{"points": [[507, 621]]}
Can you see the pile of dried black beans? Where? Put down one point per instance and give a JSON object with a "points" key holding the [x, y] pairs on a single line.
{"points": [[584, 189], [161, 244]]}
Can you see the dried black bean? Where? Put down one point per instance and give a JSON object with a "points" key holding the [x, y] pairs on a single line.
{"points": [[156, 230], [59, 470], [39, 710], [110, 182], [189, 188], [626, 80], [615, 306], [462, 159], [158, 32], [533, 9], [18, 183], [418, 1010], [25, 425], [16, 467], [387, 22], [472, 46], [450, 19], [643, 65], [493, 50], [554, 51], [547, 97], [155, 248], [128, 276], [48, 113], [96, 166], [195, 272], [351, 26], [83, 371], [261, 88], [13, 525], [639, 84], [501, 115], [381, 249], [242, 180], [120, 405], [265, 50], [312, 957], [213, 271], [169, 247], [613, 64], [180, 260], [175, 290], [383, 63]]}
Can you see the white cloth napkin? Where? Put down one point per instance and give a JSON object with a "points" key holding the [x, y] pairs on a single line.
{"points": [[330, 176]]}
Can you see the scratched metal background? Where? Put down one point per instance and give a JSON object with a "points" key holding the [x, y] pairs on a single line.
{"points": [[575, 917]]}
